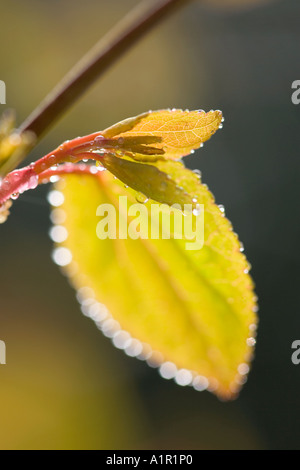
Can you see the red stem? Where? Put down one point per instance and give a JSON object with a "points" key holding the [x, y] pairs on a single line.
{"points": [[70, 152], [68, 168]]}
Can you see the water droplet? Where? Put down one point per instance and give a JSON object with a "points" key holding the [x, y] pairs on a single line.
{"points": [[243, 369], [183, 377], [58, 216], [155, 359], [192, 151], [98, 312], [62, 256], [54, 179], [241, 380], [15, 196], [168, 370], [196, 211], [58, 234], [84, 293], [198, 173], [98, 139], [121, 339], [251, 341], [33, 182], [56, 198], [242, 247], [146, 352], [213, 384], [110, 327], [141, 198], [200, 383], [94, 170], [134, 349], [222, 208]]}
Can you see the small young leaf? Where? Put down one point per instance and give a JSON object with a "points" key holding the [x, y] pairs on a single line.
{"points": [[195, 308], [149, 179], [168, 134]]}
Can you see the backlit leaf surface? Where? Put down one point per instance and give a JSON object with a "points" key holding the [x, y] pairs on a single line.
{"points": [[169, 134], [191, 308]]}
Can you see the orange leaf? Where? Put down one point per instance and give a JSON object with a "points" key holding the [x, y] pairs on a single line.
{"points": [[167, 134]]}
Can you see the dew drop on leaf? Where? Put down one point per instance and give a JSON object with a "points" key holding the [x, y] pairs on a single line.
{"points": [[168, 370], [141, 198], [183, 377], [222, 208], [200, 383], [197, 173], [62, 256]]}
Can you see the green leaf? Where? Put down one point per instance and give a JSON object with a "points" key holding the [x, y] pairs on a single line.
{"points": [[155, 180], [192, 308]]}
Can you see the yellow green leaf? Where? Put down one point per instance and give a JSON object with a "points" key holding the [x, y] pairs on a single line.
{"points": [[13, 144], [168, 134], [193, 311], [148, 179]]}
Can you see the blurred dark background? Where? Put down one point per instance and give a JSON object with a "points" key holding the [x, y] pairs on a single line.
{"points": [[65, 385]]}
